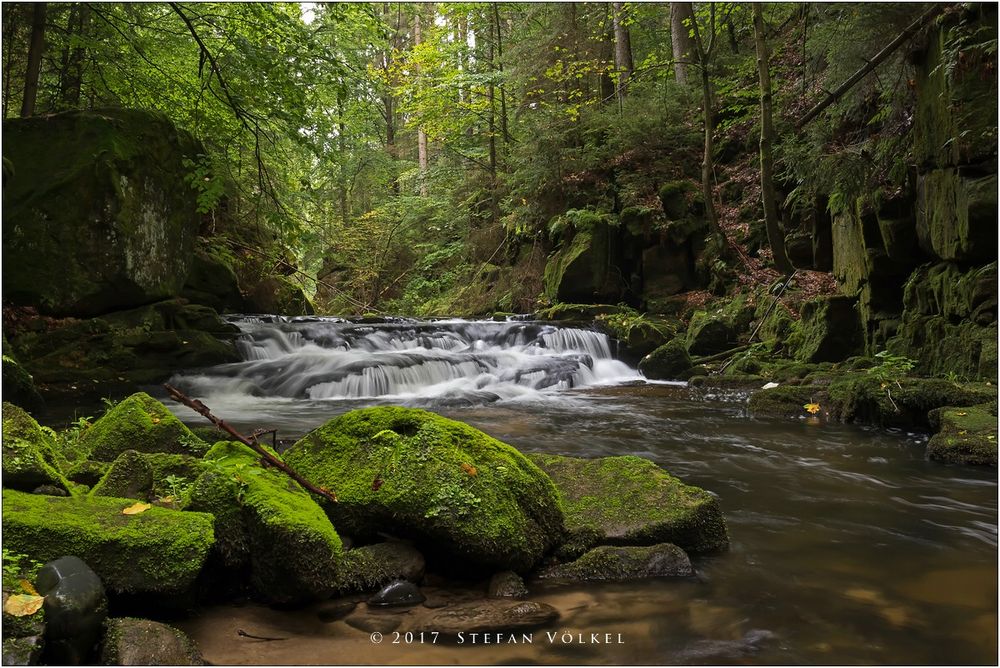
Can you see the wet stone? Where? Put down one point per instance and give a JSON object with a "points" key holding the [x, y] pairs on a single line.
{"points": [[507, 584], [486, 616], [75, 610], [397, 593], [50, 490], [370, 623], [331, 611]]}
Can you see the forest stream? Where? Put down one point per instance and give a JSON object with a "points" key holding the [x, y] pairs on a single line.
{"points": [[847, 545]]}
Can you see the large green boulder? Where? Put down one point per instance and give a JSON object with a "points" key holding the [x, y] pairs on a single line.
{"points": [[671, 361], [631, 501], [99, 214], [965, 435], [161, 477], [140, 423], [18, 385], [212, 281], [453, 489], [582, 270], [829, 330], [267, 526], [29, 453], [155, 551]]}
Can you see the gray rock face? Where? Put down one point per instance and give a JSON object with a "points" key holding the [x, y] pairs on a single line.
{"points": [[75, 609], [397, 593], [489, 616], [142, 642], [624, 563], [507, 584]]}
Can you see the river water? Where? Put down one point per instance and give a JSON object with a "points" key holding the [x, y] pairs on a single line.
{"points": [[847, 545]]}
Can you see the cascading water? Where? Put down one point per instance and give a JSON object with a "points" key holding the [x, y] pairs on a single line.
{"points": [[446, 362]]}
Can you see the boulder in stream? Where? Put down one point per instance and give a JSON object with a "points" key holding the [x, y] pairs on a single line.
{"points": [[457, 492], [371, 566], [965, 435], [628, 562], [671, 361], [631, 501], [75, 610], [143, 642], [506, 584], [141, 423]]}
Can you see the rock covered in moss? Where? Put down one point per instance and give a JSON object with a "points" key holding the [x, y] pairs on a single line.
{"points": [[506, 584], [279, 295], [143, 642], [140, 423], [828, 331], [609, 562], [578, 312], [631, 501], [268, 525], [107, 219], [18, 385], [87, 472], [450, 487], [966, 435], [212, 281], [149, 477], [129, 477], [371, 566], [29, 453], [785, 400], [670, 361], [155, 551]]}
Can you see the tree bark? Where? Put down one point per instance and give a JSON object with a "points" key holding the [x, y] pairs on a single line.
{"points": [[499, 66], [704, 53], [35, 48], [623, 49], [72, 74], [680, 37], [421, 134], [11, 14], [774, 236]]}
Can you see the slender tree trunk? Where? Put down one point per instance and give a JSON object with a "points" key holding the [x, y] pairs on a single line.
{"points": [[680, 36], [623, 49], [421, 134], [72, 74], [35, 49], [774, 235], [10, 14], [503, 90], [491, 96], [342, 147], [388, 102], [704, 53]]}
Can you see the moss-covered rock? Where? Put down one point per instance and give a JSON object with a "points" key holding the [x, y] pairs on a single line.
{"points": [[453, 489], [670, 361], [98, 214], [638, 335], [582, 269], [19, 386], [631, 501], [609, 562], [579, 312], [141, 423], [212, 281], [966, 435], [156, 551], [29, 456], [718, 330], [87, 472], [829, 330], [369, 567], [143, 642], [785, 401], [279, 295], [268, 525], [129, 477]]}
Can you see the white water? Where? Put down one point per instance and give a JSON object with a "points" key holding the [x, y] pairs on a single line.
{"points": [[455, 361]]}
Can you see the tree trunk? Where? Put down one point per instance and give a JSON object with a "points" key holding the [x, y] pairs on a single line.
{"points": [[704, 53], [342, 147], [72, 74], [623, 49], [388, 101], [35, 49], [10, 15], [421, 135], [774, 236], [680, 37], [503, 91]]}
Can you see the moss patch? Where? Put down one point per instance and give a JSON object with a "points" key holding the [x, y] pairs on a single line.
{"points": [[266, 523], [157, 551], [966, 436], [624, 563], [140, 423], [450, 487], [631, 501], [29, 456], [371, 566], [670, 361]]}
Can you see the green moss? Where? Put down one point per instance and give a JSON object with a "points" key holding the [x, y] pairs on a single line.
{"points": [[140, 423], [29, 454], [578, 312], [670, 361], [451, 487], [128, 477], [87, 472], [267, 523], [784, 401], [624, 563], [829, 330], [560, 262], [156, 551], [966, 436], [18, 385], [629, 500], [372, 566]]}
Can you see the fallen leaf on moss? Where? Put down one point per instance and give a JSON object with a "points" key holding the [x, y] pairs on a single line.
{"points": [[961, 413], [812, 408], [470, 469], [136, 508], [22, 605]]}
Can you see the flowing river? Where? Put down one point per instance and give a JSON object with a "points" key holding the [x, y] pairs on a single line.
{"points": [[847, 546]]}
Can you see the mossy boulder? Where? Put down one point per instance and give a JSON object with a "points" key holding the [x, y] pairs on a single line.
{"points": [[141, 423], [718, 330], [19, 386], [267, 526], [456, 491], [637, 335], [150, 477], [581, 270], [829, 330], [99, 214], [143, 642], [29, 452], [578, 312], [966, 435], [609, 562], [631, 501], [212, 281], [87, 472], [278, 295], [370, 567], [785, 400], [671, 361], [156, 551]]}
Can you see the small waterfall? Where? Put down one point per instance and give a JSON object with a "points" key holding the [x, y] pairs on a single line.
{"points": [[455, 360]]}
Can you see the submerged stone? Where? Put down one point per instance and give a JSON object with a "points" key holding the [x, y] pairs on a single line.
{"points": [[155, 551], [75, 610], [141, 423], [143, 642], [506, 584], [631, 501], [397, 593], [629, 562], [451, 488]]}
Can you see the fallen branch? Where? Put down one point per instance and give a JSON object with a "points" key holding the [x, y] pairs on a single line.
{"points": [[244, 634], [270, 459]]}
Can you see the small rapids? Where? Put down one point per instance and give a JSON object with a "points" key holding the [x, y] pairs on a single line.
{"points": [[453, 362]]}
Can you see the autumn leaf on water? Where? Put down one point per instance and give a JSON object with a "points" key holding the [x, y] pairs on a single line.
{"points": [[812, 408], [470, 469], [22, 605], [137, 508]]}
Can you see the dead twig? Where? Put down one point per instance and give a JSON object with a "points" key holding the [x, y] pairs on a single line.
{"points": [[270, 459]]}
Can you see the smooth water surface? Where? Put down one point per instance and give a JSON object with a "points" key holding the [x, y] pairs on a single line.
{"points": [[847, 545]]}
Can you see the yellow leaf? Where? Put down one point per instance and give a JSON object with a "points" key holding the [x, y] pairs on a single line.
{"points": [[961, 432], [166, 499], [812, 408], [22, 605], [27, 587], [470, 469], [961, 413], [156, 420], [136, 508]]}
